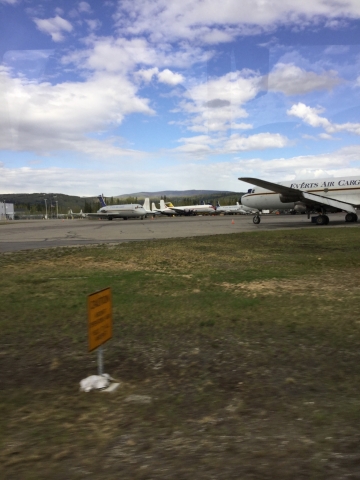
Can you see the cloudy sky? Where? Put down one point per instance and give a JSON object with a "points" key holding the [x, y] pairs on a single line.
{"points": [[145, 95]]}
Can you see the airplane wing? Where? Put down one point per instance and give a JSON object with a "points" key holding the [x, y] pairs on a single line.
{"points": [[179, 211], [307, 198], [274, 187]]}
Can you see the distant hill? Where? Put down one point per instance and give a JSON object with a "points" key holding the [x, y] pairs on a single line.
{"points": [[175, 193]]}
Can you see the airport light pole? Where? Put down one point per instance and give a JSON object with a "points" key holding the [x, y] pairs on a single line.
{"points": [[57, 210]]}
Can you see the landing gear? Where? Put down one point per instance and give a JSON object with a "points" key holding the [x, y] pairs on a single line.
{"points": [[256, 219], [322, 220], [110, 218], [351, 217]]}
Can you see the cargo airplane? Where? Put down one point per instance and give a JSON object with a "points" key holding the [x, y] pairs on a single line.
{"points": [[125, 211], [322, 195]]}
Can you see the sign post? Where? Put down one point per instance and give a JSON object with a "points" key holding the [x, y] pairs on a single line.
{"points": [[99, 322]]}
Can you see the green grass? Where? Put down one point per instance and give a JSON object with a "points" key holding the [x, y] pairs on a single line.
{"points": [[248, 345]]}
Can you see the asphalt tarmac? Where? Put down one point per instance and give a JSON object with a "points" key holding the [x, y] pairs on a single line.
{"points": [[19, 235]]}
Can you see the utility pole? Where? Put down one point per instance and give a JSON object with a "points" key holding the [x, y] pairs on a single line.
{"points": [[57, 210]]}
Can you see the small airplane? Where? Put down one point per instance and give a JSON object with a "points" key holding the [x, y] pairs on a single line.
{"points": [[234, 209], [169, 209], [150, 211], [73, 214], [125, 211], [322, 195]]}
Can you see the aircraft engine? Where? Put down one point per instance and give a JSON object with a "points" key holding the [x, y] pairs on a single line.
{"points": [[300, 207]]}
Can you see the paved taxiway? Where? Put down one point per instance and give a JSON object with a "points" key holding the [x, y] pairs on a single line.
{"points": [[33, 234]]}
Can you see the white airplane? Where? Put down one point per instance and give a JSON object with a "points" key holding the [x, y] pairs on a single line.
{"points": [[149, 211], [169, 209], [323, 195], [155, 209], [125, 211], [80, 214], [234, 209]]}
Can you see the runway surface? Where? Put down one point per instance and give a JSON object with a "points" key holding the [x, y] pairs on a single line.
{"points": [[19, 235]]}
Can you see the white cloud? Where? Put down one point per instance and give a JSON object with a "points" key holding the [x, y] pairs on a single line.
{"points": [[220, 175], [93, 24], [44, 118], [147, 74], [241, 126], [166, 76], [201, 145], [84, 7], [125, 55], [303, 166], [325, 136], [207, 21], [170, 78], [292, 80], [54, 26], [217, 104], [310, 116], [259, 141]]}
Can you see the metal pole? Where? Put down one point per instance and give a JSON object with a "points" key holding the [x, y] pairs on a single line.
{"points": [[100, 360], [45, 208], [57, 210]]}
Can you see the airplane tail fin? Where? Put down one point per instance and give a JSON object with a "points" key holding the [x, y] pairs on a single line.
{"points": [[153, 207], [217, 204], [147, 204], [162, 205], [102, 200], [70, 212]]}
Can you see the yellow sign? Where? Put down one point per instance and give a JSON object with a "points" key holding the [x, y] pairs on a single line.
{"points": [[99, 318]]}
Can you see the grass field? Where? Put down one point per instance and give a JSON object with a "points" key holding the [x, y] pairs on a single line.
{"points": [[238, 357]]}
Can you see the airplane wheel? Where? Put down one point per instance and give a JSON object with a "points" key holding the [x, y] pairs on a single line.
{"points": [[256, 219], [322, 220], [351, 217], [109, 218]]}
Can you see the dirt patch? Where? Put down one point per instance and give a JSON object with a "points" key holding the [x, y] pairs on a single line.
{"points": [[322, 285]]}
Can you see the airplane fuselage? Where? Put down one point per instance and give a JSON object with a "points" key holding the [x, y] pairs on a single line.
{"points": [[131, 210], [342, 189]]}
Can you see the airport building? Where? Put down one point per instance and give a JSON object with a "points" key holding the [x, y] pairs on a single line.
{"points": [[6, 211]]}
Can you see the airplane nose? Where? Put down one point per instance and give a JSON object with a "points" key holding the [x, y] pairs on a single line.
{"points": [[244, 200]]}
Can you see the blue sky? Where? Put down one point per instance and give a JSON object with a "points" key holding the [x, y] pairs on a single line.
{"points": [[147, 95]]}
